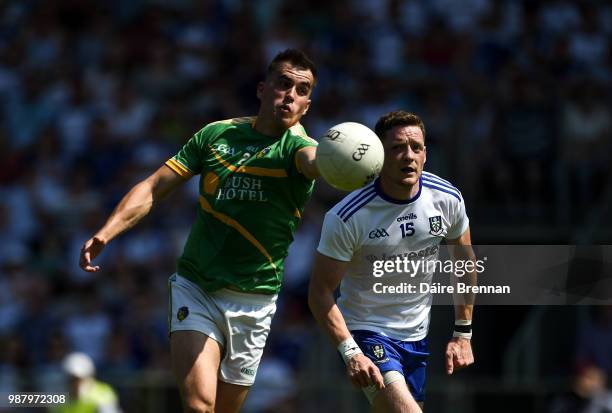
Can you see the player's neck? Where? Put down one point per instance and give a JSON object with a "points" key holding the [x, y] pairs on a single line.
{"points": [[268, 127], [397, 191]]}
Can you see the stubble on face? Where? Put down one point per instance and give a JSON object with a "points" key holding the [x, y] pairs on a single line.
{"points": [[405, 155]]}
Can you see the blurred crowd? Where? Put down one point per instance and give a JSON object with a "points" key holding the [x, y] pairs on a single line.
{"points": [[95, 95]]}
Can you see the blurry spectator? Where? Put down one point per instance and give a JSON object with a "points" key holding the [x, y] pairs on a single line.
{"points": [[48, 187], [81, 201], [44, 39], [103, 79], [477, 125], [88, 327], [559, 62], [128, 114], [440, 138], [381, 96], [282, 35], [37, 319], [586, 126], [525, 130], [146, 326], [13, 250], [50, 376], [460, 16], [385, 50], [95, 32], [22, 221], [13, 285], [412, 17], [160, 81], [275, 390], [13, 361], [588, 394], [298, 264], [86, 394], [74, 121], [295, 323], [558, 16], [438, 47], [589, 45], [28, 111], [119, 359], [497, 32], [109, 155], [595, 340]]}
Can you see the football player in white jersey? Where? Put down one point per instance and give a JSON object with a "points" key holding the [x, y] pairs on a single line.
{"points": [[406, 212]]}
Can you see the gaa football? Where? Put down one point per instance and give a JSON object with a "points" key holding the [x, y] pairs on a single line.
{"points": [[349, 156]]}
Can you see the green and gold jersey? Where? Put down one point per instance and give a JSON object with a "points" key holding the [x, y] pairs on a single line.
{"points": [[251, 199]]}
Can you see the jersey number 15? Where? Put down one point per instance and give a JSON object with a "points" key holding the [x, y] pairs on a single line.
{"points": [[407, 229]]}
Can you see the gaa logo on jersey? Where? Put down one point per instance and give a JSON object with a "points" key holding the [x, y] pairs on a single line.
{"points": [[182, 313], [435, 225], [378, 233]]}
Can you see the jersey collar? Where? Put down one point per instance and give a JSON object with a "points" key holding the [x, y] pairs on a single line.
{"points": [[387, 198]]}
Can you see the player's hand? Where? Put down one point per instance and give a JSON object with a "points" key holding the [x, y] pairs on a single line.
{"points": [[458, 354], [364, 373], [91, 249]]}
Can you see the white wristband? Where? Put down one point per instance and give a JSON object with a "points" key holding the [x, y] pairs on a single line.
{"points": [[349, 349], [467, 336], [463, 322]]}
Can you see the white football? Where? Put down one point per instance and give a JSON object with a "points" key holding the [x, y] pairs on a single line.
{"points": [[349, 156]]}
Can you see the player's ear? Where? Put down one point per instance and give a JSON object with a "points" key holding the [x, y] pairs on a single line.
{"points": [[424, 154], [260, 89], [307, 107]]}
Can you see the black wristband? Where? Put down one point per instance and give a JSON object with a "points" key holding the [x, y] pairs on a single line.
{"points": [[463, 329]]}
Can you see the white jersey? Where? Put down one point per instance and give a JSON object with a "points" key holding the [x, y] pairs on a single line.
{"points": [[368, 226]]}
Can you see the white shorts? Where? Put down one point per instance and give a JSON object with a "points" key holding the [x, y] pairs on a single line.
{"points": [[240, 322]]}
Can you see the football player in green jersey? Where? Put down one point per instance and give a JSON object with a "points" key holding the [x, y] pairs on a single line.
{"points": [[256, 174]]}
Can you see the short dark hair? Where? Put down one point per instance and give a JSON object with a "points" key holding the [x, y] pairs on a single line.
{"points": [[297, 58], [398, 118]]}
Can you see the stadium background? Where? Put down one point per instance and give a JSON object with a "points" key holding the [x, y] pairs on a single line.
{"points": [[96, 95]]}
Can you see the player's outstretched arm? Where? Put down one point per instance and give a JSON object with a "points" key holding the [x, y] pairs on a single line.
{"points": [[305, 159], [459, 349], [134, 206], [326, 276]]}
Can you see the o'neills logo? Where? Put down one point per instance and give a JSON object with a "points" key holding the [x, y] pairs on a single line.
{"points": [[242, 188], [248, 372]]}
